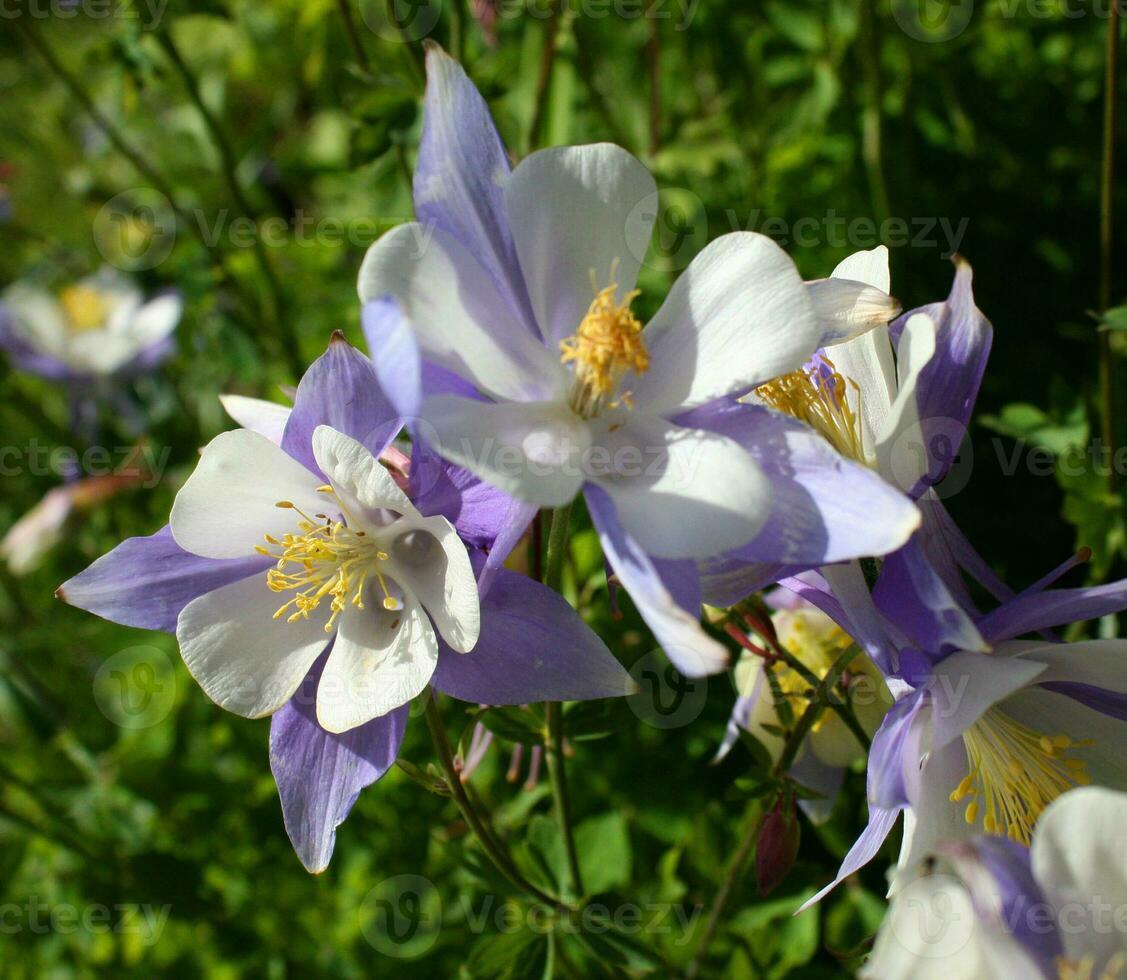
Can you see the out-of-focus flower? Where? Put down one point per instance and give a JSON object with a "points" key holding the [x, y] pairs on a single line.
{"points": [[30, 539], [486, 13], [97, 328], [982, 740], [765, 685], [991, 908], [524, 358], [304, 582]]}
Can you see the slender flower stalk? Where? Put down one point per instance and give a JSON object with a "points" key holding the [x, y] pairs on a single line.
{"points": [[476, 822], [1107, 190], [558, 532]]}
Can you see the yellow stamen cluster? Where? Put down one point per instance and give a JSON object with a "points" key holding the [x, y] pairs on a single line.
{"points": [[332, 560], [607, 344], [1014, 773], [817, 646], [86, 308], [1085, 969], [820, 400]]}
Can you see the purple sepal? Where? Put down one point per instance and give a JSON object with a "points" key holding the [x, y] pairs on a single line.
{"points": [[145, 582], [1110, 703], [319, 774]]}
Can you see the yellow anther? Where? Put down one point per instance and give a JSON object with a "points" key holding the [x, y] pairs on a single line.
{"points": [[607, 344], [86, 308], [1014, 773], [820, 398]]}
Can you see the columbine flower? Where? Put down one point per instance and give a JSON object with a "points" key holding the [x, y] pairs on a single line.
{"points": [[303, 582], [987, 907], [96, 328], [982, 741], [528, 364], [764, 686]]}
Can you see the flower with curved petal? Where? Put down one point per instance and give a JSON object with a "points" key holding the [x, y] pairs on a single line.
{"points": [[305, 582], [526, 362]]}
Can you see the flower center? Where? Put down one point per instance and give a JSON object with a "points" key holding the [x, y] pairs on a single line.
{"points": [[1015, 772], [326, 559], [817, 395], [607, 344], [86, 308]]}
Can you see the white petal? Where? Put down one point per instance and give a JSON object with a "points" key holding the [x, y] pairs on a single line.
{"points": [[936, 818], [902, 455], [847, 308], [230, 501], [1100, 663], [245, 660], [577, 211], [869, 266], [534, 451], [444, 583], [1079, 855], [460, 320], [867, 361], [359, 479], [39, 318], [266, 418], [933, 932], [738, 316], [380, 660], [156, 320], [682, 493]]}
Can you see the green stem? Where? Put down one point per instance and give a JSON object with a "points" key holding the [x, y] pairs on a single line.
{"points": [[1107, 187], [278, 305], [871, 136], [822, 696], [731, 875], [557, 773], [543, 82], [485, 836], [354, 40]]}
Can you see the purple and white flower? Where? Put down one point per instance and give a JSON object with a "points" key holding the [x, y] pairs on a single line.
{"points": [[303, 582], [982, 740], [97, 328], [991, 908], [523, 357]]}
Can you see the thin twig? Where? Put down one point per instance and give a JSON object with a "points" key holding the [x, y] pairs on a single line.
{"points": [[354, 40], [1107, 188], [543, 82]]}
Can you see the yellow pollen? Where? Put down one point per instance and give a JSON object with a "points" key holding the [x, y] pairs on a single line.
{"points": [[326, 559], [1014, 773], [86, 308], [820, 400], [607, 344], [1085, 968]]}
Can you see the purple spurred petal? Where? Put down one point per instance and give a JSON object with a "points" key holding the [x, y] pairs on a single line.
{"points": [[658, 590], [862, 852], [340, 390], [948, 385], [460, 176], [1034, 611], [533, 647], [145, 582], [320, 775]]}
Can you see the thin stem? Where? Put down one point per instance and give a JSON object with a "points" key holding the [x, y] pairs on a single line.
{"points": [[543, 82], [418, 62], [731, 875], [355, 42], [871, 136], [1107, 187], [822, 696], [558, 532], [278, 304], [653, 64], [485, 836]]}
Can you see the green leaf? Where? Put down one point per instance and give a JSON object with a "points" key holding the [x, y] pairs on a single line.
{"points": [[605, 855]]}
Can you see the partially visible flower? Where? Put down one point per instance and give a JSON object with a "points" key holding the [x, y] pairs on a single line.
{"points": [[771, 693], [523, 355], [304, 582], [29, 540], [96, 328], [990, 908], [983, 740]]}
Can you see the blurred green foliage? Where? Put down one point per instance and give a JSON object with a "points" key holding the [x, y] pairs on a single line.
{"points": [[826, 117]]}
